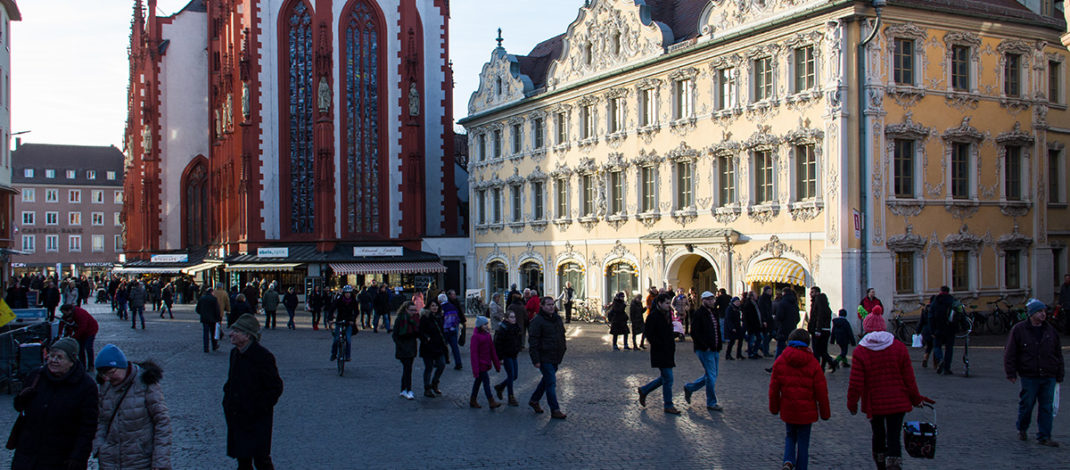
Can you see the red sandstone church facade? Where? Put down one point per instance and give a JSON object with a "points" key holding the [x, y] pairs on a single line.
{"points": [[278, 127]]}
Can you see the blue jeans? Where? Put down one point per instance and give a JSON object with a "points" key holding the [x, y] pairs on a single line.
{"points": [[767, 337], [665, 382], [1036, 389], [290, 312], [451, 339], [724, 337], [797, 445], [943, 345], [349, 342], [548, 384], [754, 341], [85, 353], [511, 373], [780, 345], [709, 379], [135, 313], [208, 335], [386, 319]]}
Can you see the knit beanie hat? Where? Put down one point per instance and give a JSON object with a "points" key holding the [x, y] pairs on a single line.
{"points": [[1034, 306], [442, 299], [874, 321], [481, 320], [247, 324], [111, 356], [68, 345]]}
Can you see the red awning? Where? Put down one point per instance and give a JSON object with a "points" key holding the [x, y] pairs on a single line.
{"points": [[388, 268]]}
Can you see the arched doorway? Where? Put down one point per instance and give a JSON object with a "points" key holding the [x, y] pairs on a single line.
{"points": [[621, 276], [693, 271], [531, 276], [497, 278], [572, 272]]}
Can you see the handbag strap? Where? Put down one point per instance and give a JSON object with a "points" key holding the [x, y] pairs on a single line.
{"points": [[107, 429]]}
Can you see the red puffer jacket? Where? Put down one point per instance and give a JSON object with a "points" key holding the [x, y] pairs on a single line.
{"points": [[882, 377], [797, 389]]}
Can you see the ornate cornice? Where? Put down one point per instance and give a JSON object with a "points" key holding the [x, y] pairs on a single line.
{"points": [[963, 133], [1015, 136]]}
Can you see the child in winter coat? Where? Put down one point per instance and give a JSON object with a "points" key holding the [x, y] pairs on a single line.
{"points": [[483, 356], [799, 394], [843, 336], [507, 343]]}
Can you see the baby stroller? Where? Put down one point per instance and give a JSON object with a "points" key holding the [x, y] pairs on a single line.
{"points": [[102, 296], [919, 437]]}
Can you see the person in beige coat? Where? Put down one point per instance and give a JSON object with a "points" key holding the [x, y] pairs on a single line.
{"points": [[134, 428]]}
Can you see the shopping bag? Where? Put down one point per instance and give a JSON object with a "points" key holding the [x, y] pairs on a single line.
{"points": [[915, 341], [218, 332]]}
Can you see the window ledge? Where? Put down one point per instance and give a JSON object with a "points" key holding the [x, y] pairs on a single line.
{"points": [[650, 129], [498, 227], [803, 96], [1014, 102], [616, 217], [1015, 208], [806, 210], [562, 147], [619, 135], [683, 122], [1057, 205], [908, 207], [516, 156], [587, 142], [728, 112], [539, 223], [562, 221], [516, 224], [685, 216], [763, 212], [587, 219], [763, 105], [905, 90]]}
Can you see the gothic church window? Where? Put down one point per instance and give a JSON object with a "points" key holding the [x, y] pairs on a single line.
{"points": [[361, 134], [298, 152]]}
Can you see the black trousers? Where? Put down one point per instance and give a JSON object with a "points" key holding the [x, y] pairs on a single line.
{"points": [[568, 312], [886, 429], [261, 463], [821, 349], [406, 373]]}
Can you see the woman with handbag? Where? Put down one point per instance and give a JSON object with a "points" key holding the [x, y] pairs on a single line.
{"points": [[433, 347], [134, 430], [57, 413], [406, 333], [618, 320]]}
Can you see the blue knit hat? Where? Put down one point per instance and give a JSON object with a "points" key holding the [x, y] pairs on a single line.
{"points": [[1034, 306], [111, 356]]}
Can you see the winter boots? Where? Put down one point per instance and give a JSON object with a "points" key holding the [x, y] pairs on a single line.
{"points": [[880, 460], [893, 463], [512, 401], [474, 403]]}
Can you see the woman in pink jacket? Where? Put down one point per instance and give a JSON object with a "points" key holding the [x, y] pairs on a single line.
{"points": [[483, 356]]}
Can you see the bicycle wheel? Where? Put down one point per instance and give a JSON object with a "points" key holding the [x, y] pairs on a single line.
{"points": [[341, 357], [996, 323]]}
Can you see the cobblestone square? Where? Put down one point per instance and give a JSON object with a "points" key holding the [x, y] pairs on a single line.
{"points": [[358, 421]]}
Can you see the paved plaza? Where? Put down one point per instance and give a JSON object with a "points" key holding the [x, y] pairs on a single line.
{"points": [[358, 421]]}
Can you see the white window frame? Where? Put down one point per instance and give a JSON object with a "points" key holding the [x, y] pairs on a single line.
{"points": [[1023, 172], [538, 133], [91, 174], [653, 192], [1059, 175], [29, 195], [516, 131], [54, 215], [51, 195], [538, 199], [971, 172], [795, 177], [96, 243], [648, 107], [754, 79], [683, 98], [50, 173], [96, 219], [117, 198], [72, 174], [718, 169], [516, 203], [753, 183], [587, 122], [723, 84], [74, 218], [1021, 72], [496, 205], [561, 186], [620, 188], [29, 218], [29, 243], [794, 66], [971, 271], [117, 219], [51, 243], [97, 196], [677, 204], [27, 172], [110, 175], [615, 115], [118, 241], [74, 196], [916, 163], [74, 243]]}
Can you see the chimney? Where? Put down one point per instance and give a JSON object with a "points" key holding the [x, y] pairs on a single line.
{"points": [[18, 142]]}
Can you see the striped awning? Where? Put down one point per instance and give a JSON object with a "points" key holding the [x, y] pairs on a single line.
{"points": [[780, 270], [262, 268], [146, 270], [389, 268], [201, 267]]}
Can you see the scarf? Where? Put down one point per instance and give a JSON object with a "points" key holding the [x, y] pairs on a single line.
{"points": [[405, 324]]}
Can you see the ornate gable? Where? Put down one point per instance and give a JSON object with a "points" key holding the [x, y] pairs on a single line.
{"points": [[608, 34], [500, 82], [723, 17]]}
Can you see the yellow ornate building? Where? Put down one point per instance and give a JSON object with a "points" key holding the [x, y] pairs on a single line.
{"points": [[735, 143]]}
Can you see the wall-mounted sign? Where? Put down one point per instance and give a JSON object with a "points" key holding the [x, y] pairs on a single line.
{"points": [[169, 259], [273, 252], [371, 251]]}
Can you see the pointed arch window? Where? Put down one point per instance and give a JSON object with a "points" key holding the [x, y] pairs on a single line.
{"points": [[363, 178], [195, 205], [298, 101]]}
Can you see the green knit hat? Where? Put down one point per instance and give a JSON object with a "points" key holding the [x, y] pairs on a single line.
{"points": [[247, 324], [69, 346]]}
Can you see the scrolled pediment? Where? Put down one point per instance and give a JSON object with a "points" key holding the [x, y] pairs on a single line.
{"points": [[1014, 241], [500, 82], [1015, 136], [964, 240], [647, 159], [683, 152], [906, 31], [908, 129], [908, 241], [608, 34], [963, 133], [723, 17]]}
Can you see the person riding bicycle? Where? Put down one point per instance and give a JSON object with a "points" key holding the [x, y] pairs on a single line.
{"points": [[345, 310]]}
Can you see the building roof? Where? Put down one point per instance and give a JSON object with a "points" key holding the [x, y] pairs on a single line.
{"points": [[61, 158], [537, 62], [991, 9], [12, 10]]}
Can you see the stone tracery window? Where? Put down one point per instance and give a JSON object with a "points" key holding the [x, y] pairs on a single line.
{"points": [[298, 151], [362, 159], [195, 202]]}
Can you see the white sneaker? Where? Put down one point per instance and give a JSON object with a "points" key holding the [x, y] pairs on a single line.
{"points": [[403, 394], [409, 395]]}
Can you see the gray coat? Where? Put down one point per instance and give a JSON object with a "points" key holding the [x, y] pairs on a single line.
{"points": [[270, 300], [139, 436]]}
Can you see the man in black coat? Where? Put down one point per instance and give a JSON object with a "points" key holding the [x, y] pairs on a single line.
{"points": [[1034, 354], [765, 309], [253, 388], [210, 315], [786, 316], [546, 344], [706, 335], [659, 332], [943, 330], [59, 406], [49, 299]]}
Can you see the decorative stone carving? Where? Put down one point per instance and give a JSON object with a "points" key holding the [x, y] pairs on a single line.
{"points": [[905, 207], [727, 213], [608, 34], [763, 213], [763, 139], [1014, 241], [963, 240], [723, 17], [908, 241], [805, 210], [500, 82], [963, 133], [1015, 136], [775, 249], [908, 129]]}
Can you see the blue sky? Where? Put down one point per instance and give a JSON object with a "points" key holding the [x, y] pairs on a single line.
{"points": [[69, 67]]}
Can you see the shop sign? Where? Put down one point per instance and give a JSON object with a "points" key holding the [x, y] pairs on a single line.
{"points": [[18, 265], [372, 251], [273, 252], [169, 259]]}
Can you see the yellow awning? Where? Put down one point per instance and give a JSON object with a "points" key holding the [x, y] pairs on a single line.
{"points": [[262, 267], [780, 270], [201, 267]]}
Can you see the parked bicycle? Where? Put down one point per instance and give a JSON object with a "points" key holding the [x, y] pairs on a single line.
{"points": [[1003, 317], [967, 325], [903, 330], [589, 310]]}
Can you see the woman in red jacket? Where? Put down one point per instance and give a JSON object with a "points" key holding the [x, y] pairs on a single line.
{"points": [[483, 356], [799, 394], [882, 378]]}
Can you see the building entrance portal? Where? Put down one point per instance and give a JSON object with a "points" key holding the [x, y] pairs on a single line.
{"points": [[693, 271]]}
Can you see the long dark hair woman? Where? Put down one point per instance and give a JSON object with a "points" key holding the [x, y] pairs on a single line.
{"points": [[618, 320], [406, 333], [432, 346]]}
